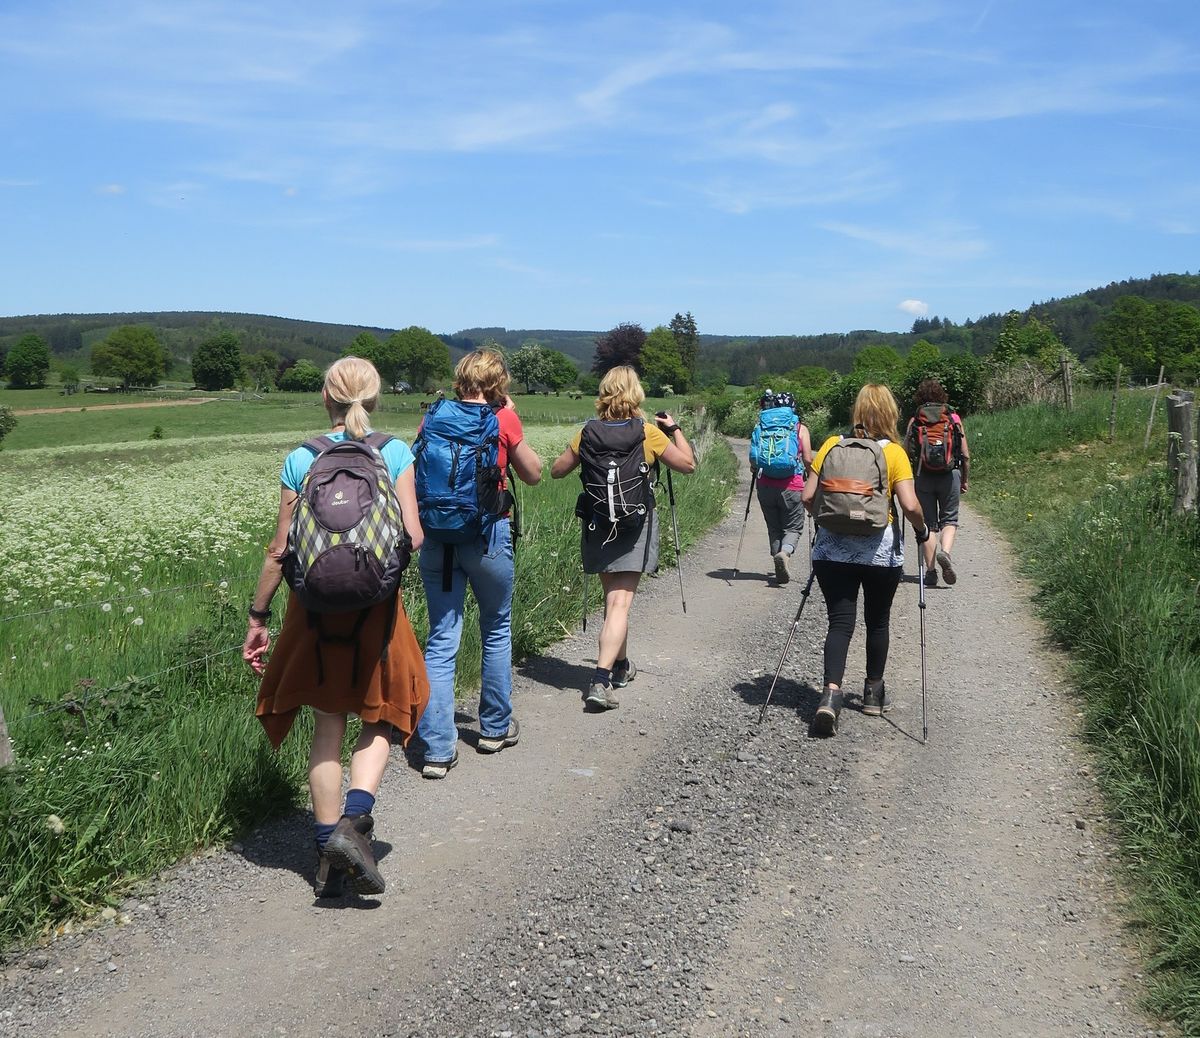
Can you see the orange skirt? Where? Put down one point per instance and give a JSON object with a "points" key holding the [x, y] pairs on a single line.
{"points": [[392, 690]]}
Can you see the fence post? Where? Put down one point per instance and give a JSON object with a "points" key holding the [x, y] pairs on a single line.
{"points": [[1154, 406], [1181, 449], [1064, 366], [1112, 411], [6, 754]]}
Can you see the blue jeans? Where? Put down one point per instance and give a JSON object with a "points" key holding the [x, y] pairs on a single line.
{"points": [[487, 564]]}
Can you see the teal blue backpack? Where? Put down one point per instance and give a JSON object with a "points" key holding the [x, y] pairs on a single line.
{"points": [[775, 443]]}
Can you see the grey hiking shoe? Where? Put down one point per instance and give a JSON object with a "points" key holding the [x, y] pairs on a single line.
{"points": [[437, 769], [349, 849], [495, 743], [825, 721], [621, 676], [782, 576], [875, 698], [948, 574], [600, 697]]}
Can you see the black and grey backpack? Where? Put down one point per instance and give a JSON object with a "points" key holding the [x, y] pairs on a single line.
{"points": [[618, 488]]}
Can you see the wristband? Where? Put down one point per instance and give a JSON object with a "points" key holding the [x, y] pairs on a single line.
{"points": [[671, 430], [261, 615]]}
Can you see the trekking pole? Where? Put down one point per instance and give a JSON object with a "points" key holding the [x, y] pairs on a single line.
{"points": [[585, 607], [790, 638], [675, 525], [745, 520], [921, 610]]}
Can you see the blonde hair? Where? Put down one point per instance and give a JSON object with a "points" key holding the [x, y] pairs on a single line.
{"points": [[482, 373], [621, 395], [352, 391], [876, 411]]}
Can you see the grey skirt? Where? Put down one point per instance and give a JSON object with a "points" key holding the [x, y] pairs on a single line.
{"points": [[633, 551]]}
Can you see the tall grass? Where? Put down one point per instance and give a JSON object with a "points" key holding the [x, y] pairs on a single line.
{"points": [[1120, 588], [136, 742]]}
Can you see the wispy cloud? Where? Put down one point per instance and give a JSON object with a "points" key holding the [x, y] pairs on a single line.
{"points": [[111, 189], [926, 244]]}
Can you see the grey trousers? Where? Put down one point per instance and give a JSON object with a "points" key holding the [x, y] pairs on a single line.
{"points": [[784, 512]]}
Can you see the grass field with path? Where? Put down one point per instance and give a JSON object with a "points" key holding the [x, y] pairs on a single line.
{"points": [[125, 570]]}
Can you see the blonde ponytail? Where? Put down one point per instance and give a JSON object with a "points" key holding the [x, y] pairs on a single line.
{"points": [[352, 389]]}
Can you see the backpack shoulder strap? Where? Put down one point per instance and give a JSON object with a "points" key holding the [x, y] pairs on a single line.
{"points": [[318, 444], [378, 440]]}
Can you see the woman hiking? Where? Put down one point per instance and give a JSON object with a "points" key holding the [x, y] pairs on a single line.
{"points": [[780, 453], [365, 662], [485, 563], [869, 466], [937, 444], [616, 452]]}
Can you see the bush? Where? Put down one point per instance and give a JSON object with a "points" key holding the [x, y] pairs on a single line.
{"points": [[8, 422]]}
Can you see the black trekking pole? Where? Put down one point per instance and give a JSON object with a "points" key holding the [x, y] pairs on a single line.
{"points": [[585, 604], [921, 610], [745, 520], [675, 525], [790, 638]]}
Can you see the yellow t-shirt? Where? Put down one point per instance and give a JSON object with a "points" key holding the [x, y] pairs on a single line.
{"points": [[898, 465], [655, 443]]}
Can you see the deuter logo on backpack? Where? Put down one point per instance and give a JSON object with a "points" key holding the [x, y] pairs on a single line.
{"points": [[775, 444], [937, 438], [618, 492], [852, 488], [458, 474], [347, 546]]}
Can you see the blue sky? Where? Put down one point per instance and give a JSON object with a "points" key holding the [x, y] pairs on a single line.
{"points": [[773, 167]]}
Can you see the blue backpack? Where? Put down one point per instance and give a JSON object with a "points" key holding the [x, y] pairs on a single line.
{"points": [[457, 471], [775, 444]]}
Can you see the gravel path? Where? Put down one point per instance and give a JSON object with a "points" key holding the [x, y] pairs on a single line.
{"points": [[670, 868]]}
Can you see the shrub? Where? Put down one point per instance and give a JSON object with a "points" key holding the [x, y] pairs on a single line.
{"points": [[8, 422]]}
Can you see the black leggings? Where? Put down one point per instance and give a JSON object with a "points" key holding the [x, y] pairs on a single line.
{"points": [[840, 582]]}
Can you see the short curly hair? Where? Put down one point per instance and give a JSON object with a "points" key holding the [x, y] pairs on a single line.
{"points": [[930, 391]]}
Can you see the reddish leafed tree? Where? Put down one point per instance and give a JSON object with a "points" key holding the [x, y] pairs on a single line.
{"points": [[622, 345]]}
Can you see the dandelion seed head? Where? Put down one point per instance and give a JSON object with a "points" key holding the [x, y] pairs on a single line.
{"points": [[55, 825], [106, 607]]}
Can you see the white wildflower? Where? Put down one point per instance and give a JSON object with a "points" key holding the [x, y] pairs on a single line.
{"points": [[55, 825]]}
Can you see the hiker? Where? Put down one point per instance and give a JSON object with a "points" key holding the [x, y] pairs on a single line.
{"points": [[780, 453], [355, 661], [471, 440], [855, 485], [616, 452], [937, 444]]}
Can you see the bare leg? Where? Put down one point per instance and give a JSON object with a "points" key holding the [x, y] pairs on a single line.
{"points": [[370, 757], [947, 538], [929, 549], [325, 767], [619, 589]]}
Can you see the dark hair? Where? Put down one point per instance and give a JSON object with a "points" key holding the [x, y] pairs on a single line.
{"points": [[930, 391]]}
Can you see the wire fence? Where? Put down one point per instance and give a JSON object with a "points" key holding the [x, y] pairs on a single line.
{"points": [[140, 594]]}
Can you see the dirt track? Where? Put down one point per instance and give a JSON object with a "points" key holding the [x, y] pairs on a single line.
{"points": [[670, 868], [116, 407]]}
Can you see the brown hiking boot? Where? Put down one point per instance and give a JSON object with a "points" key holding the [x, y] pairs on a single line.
{"points": [[825, 721], [330, 881], [349, 849], [943, 560]]}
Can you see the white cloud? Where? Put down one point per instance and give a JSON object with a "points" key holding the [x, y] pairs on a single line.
{"points": [[111, 189], [914, 307]]}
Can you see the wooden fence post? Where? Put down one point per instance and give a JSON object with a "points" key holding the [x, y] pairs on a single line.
{"points": [[1181, 449], [1064, 367], [1112, 411], [6, 754], [1154, 406]]}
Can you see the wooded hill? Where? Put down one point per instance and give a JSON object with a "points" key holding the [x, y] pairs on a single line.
{"points": [[741, 359]]}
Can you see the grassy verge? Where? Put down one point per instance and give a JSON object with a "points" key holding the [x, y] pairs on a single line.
{"points": [[1120, 581], [129, 707]]}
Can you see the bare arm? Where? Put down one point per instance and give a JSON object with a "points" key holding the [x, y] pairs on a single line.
{"points": [[906, 498], [406, 492], [678, 455], [258, 638], [564, 464], [526, 463], [806, 451], [965, 463]]}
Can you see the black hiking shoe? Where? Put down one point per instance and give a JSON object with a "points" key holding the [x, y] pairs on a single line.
{"points": [[600, 697], [495, 743], [330, 881], [931, 578], [621, 676], [875, 699], [825, 721], [948, 574], [349, 849]]}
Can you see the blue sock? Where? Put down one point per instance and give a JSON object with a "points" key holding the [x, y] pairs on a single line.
{"points": [[602, 676], [322, 833], [358, 802]]}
